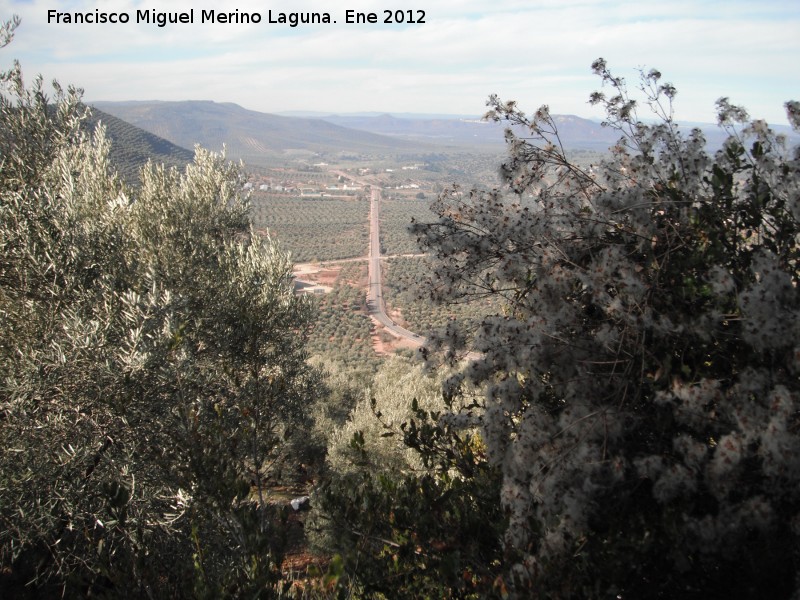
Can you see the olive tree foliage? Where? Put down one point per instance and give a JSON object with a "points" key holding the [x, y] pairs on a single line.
{"points": [[642, 381], [152, 366], [407, 508], [396, 384]]}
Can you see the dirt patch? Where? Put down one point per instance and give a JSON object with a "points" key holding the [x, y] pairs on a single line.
{"points": [[316, 273], [327, 276], [305, 570], [346, 273], [397, 316], [385, 344], [378, 343]]}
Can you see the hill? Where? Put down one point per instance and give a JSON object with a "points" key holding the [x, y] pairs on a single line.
{"points": [[252, 136], [132, 147], [576, 132]]}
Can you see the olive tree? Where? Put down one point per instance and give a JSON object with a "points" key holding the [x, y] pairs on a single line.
{"points": [[408, 507], [153, 366], [642, 394]]}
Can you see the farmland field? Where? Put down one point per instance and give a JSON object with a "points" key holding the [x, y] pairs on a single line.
{"points": [[396, 216], [330, 228], [405, 298], [314, 228]]}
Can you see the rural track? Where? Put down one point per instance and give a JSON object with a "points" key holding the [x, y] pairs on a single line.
{"points": [[376, 307]]}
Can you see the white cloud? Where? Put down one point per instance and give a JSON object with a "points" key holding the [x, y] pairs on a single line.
{"points": [[537, 53]]}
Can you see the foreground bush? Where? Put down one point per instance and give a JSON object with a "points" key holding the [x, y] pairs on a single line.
{"points": [[153, 371], [640, 427]]}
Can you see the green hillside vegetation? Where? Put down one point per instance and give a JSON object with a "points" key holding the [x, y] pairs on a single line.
{"points": [[154, 369], [132, 147]]}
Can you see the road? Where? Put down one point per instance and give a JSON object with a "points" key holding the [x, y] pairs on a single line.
{"points": [[375, 304]]}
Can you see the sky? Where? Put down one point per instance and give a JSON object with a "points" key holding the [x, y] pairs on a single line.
{"points": [[534, 52]]}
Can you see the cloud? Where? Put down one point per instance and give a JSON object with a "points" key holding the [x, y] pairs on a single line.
{"points": [[537, 53]]}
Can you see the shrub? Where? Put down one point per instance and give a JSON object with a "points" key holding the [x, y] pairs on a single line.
{"points": [[153, 368], [642, 393]]}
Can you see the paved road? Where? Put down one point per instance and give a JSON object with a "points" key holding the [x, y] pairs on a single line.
{"points": [[375, 304]]}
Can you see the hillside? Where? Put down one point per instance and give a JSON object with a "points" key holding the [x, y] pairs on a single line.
{"points": [[250, 135], [576, 132], [132, 147]]}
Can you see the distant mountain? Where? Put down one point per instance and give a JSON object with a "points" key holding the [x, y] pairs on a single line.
{"points": [[399, 115], [132, 147], [575, 132], [715, 135], [250, 135]]}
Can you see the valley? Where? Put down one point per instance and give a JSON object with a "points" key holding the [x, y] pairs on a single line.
{"points": [[346, 227], [339, 193]]}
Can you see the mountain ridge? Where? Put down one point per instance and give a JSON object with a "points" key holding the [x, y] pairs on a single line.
{"points": [[260, 138], [247, 134], [576, 132]]}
